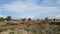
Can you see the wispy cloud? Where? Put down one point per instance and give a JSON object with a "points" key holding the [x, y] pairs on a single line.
{"points": [[3, 16], [18, 6], [28, 16], [33, 7]]}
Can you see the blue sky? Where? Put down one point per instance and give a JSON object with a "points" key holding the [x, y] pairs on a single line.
{"points": [[30, 8]]}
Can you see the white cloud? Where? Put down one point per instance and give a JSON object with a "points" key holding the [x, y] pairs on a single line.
{"points": [[2, 16], [18, 7], [27, 16], [30, 8], [57, 16]]}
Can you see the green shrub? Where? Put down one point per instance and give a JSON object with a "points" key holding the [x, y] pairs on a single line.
{"points": [[11, 33], [0, 30]]}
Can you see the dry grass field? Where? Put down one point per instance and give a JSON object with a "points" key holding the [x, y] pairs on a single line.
{"points": [[29, 27]]}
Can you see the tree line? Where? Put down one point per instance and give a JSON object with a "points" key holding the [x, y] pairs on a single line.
{"points": [[8, 18]]}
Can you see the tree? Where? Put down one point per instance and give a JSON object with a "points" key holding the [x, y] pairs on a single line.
{"points": [[29, 18], [54, 19], [23, 19], [46, 18], [8, 18], [1, 19], [38, 19]]}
